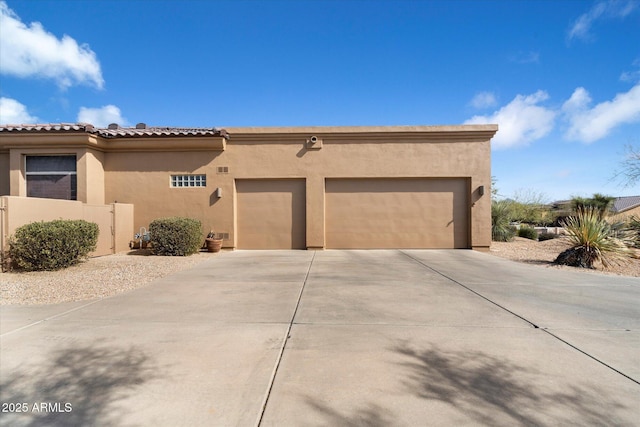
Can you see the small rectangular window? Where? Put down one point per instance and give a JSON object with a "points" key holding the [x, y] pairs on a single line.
{"points": [[178, 181], [51, 177]]}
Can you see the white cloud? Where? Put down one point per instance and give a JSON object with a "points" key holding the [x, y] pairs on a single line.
{"points": [[521, 121], [13, 112], [590, 124], [632, 76], [581, 28], [483, 100], [101, 117], [31, 51]]}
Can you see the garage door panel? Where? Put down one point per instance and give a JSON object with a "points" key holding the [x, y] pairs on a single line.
{"points": [[396, 213], [271, 214]]}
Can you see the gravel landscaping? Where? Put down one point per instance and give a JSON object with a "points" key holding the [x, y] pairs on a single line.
{"points": [[110, 275], [544, 253], [94, 278]]}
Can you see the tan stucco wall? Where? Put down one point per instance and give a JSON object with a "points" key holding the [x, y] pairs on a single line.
{"points": [[115, 232], [257, 153], [5, 188], [625, 215], [143, 179], [91, 176]]}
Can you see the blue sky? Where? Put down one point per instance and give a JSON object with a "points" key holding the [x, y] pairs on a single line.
{"points": [[561, 78]]}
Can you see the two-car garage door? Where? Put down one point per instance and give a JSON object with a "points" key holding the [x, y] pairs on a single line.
{"points": [[375, 213], [396, 213]]}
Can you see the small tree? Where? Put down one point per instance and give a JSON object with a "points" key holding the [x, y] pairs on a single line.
{"points": [[494, 188], [530, 207], [601, 204], [629, 172]]}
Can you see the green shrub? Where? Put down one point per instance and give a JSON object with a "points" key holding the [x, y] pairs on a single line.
{"points": [[528, 232], [547, 236], [501, 230], [175, 236], [53, 245]]}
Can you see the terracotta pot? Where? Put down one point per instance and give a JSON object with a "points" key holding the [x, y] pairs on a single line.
{"points": [[214, 245]]}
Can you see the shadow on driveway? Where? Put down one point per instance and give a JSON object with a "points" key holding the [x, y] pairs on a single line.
{"points": [[79, 386], [494, 391], [369, 416]]}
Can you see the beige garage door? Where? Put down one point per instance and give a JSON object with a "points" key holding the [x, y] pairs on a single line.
{"points": [[396, 213], [271, 214]]}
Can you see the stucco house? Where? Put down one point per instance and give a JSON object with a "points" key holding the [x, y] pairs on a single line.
{"points": [[269, 188], [624, 208]]}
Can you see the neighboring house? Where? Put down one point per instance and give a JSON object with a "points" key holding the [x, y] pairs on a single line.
{"points": [[271, 188], [625, 207]]}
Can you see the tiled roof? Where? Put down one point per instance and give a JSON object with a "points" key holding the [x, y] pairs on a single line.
{"points": [[622, 204], [48, 127], [113, 131]]}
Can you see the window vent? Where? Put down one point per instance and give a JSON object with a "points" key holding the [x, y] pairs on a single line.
{"points": [[223, 236], [223, 169]]}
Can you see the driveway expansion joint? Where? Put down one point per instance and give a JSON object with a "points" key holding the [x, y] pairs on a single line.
{"points": [[46, 319], [591, 356], [543, 329], [470, 290], [287, 335]]}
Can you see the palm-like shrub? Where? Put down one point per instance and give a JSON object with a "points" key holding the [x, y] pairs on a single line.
{"points": [[592, 239], [501, 230]]}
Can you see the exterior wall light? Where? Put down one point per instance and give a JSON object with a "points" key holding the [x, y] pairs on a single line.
{"points": [[481, 190], [219, 192]]}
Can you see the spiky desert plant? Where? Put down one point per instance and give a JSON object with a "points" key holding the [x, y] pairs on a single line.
{"points": [[592, 239], [501, 230]]}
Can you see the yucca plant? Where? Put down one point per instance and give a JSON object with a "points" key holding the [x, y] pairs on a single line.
{"points": [[592, 239], [501, 230]]}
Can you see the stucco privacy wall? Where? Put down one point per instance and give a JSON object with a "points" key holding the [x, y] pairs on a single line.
{"points": [[463, 152], [115, 221]]}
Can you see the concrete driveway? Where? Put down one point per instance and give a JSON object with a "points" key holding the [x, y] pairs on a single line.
{"points": [[333, 338]]}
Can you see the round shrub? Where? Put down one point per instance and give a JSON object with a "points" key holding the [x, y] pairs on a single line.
{"points": [[528, 232], [53, 245], [175, 236], [547, 236]]}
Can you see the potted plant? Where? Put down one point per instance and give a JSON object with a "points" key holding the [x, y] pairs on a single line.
{"points": [[213, 243]]}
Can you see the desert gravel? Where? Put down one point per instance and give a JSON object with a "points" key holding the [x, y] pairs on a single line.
{"points": [[114, 274], [544, 253], [91, 279]]}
